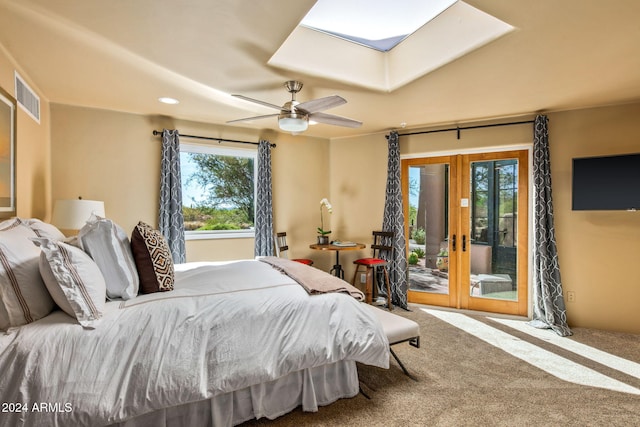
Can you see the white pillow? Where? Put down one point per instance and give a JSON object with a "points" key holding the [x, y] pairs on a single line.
{"points": [[109, 247], [23, 294], [4, 318], [73, 280], [43, 229]]}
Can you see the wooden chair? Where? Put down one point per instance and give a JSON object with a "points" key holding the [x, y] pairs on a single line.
{"points": [[282, 249], [382, 244]]}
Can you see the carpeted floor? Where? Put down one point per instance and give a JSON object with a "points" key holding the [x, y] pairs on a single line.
{"points": [[465, 381]]}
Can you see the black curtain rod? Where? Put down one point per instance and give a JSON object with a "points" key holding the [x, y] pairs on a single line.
{"points": [[159, 132], [458, 128]]}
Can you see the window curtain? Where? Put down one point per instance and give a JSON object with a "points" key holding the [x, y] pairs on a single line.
{"points": [[264, 243], [394, 221], [548, 307], [171, 219]]}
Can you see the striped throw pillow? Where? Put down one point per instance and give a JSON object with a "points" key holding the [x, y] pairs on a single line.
{"points": [[74, 281], [23, 294]]}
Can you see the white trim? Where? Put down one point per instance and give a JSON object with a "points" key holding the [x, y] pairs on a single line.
{"points": [[219, 150], [219, 234], [462, 151]]}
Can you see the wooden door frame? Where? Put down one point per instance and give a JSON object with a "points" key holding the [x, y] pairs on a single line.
{"points": [[459, 266], [452, 298], [521, 307]]}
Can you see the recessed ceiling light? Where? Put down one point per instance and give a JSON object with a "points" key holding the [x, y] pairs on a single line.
{"points": [[167, 100]]}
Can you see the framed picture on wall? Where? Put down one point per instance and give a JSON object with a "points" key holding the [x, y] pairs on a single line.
{"points": [[7, 155]]}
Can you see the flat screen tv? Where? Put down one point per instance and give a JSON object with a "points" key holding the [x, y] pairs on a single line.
{"points": [[606, 183]]}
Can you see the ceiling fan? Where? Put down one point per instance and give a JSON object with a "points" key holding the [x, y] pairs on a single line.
{"points": [[294, 116]]}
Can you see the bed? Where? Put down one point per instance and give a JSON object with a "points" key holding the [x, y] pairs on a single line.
{"points": [[232, 341]]}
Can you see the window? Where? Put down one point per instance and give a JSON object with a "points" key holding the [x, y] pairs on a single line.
{"points": [[218, 191], [494, 189]]}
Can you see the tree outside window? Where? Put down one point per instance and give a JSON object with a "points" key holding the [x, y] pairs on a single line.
{"points": [[218, 191]]}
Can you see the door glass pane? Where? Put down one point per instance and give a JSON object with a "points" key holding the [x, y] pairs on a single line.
{"points": [[493, 246], [429, 228]]}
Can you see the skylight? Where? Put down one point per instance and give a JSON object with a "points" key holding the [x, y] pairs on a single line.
{"points": [[378, 24], [441, 35]]}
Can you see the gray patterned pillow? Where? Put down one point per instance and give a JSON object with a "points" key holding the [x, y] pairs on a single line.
{"points": [[153, 259]]}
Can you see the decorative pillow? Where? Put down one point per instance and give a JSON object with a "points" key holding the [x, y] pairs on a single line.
{"points": [[153, 259], [23, 294], [109, 247], [74, 281]]}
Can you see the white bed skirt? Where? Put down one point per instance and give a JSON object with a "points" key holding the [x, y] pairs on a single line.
{"points": [[309, 388]]}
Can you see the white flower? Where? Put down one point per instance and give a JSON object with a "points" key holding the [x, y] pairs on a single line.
{"points": [[324, 202]]}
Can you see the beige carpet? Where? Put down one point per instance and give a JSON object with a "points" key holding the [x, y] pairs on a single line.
{"points": [[465, 381]]}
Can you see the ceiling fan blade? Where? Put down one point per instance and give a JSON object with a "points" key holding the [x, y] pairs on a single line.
{"points": [[331, 119], [248, 119], [321, 104], [257, 101]]}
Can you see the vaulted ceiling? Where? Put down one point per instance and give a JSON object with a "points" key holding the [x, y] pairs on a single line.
{"points": [[124, 55]]}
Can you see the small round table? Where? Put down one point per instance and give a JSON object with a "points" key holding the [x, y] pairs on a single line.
{"points": [[337, 268]]}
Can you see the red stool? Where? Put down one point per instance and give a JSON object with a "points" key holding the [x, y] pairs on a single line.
{"points": [[382, 244]]}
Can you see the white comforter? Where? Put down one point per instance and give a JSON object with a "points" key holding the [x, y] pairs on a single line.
{"points": [[226, 326]]}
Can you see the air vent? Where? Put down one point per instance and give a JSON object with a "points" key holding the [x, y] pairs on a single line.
{"points": [[27, 98]]}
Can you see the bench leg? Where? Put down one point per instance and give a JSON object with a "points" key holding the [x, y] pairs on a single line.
{"points": [[363, 393], [395, 356]]}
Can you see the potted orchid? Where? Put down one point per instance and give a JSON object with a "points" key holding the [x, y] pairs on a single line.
{"points": [[323, 235]]}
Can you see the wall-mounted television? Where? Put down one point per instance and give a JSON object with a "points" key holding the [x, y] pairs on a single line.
{"points": [[606, 183]]}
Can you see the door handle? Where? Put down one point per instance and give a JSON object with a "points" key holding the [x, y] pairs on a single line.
{"points": [[453, 243], [464, 243]]}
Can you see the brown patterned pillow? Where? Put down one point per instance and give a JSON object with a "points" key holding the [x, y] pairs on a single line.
{"points": [[153, 259]]}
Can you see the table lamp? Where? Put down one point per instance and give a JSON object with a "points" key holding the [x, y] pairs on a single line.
{"points": [[71, 215]]}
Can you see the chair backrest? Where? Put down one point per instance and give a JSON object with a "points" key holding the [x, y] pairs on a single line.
{"points": [[480, 259], [382, 243], [281, 245]]}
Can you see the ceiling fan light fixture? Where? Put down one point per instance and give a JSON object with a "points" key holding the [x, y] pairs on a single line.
{"points": [[293, 122]]}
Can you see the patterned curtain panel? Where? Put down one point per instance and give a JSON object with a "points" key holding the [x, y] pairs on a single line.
{"points": [[264, 244], [394, 221], [171, 219], [548, 307]]}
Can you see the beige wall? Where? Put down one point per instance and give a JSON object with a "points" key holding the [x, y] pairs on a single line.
{"points": [[599, 252], [33, 174], [114, 157], [358, 169]]}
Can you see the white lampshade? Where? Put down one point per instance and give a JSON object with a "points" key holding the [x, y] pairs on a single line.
{"points": [[73, 214]]}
